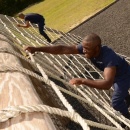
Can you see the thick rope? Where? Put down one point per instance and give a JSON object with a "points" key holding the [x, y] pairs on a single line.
{"points": [[9, 68], [14, 111]]}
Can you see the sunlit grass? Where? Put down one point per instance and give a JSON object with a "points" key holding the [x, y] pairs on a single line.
{"points": [[64, 14]]}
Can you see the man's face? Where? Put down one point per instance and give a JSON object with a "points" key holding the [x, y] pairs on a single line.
{"points": [[21, 16], [89, 50]]}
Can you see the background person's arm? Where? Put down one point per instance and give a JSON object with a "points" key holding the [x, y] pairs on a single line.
{"points": [[26, 25]]}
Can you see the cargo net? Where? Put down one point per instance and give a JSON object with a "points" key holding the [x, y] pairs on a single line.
{"points": [[87, 108]]}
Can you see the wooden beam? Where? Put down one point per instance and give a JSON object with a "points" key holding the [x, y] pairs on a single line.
{"points": [[17, 89]]}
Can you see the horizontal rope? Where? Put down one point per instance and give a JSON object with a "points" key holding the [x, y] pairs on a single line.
{"points": [[14, 111]]}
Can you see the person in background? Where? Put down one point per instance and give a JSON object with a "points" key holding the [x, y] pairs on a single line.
{"points": [[34, 18], [116, 71]]}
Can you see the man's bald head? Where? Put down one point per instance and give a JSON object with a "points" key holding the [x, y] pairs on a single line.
{"points": [[93, 40], [91, 45], [21, 15]]}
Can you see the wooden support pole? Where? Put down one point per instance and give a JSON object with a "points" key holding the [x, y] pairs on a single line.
{"points": [[17, 89]]}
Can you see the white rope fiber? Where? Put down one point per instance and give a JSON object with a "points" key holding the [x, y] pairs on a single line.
{"points": [[92, 97], [14, 111], [6, 68]]}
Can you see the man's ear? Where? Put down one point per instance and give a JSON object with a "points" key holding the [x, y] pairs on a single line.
{"points": [[97, 48]]}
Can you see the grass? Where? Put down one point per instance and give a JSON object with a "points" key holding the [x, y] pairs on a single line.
{"points": [[65, 14]]}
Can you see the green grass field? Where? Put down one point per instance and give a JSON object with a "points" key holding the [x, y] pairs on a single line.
{"points": [[65, 14]]}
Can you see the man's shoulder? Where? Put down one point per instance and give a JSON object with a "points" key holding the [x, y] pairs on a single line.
{"points": [[27, 15], [106, 49]]}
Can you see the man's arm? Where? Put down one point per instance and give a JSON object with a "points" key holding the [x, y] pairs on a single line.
{"points": [[59, 49], [106, 83], [26, 25]]}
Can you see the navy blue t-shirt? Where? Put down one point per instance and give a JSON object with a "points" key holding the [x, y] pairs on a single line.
{"points": [[107, 58], [33, 17]]}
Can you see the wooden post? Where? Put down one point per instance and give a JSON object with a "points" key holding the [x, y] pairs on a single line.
{"points": [[17, 89]]}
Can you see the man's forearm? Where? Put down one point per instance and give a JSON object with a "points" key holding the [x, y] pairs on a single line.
{"points": [[99, 84], [50, 49], [59, 49], [23, 25]]}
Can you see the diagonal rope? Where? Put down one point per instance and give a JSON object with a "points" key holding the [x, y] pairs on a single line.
{"points": [[10, 68]]}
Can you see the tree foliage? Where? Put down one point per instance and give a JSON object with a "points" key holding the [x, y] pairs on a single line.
{"points": [[11, 7]]}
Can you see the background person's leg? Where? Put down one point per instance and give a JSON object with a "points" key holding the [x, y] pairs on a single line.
{"points": [[41, 30]]}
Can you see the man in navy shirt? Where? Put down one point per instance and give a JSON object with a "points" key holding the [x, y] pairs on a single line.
{"points": [[34, 18], [116, 70]]}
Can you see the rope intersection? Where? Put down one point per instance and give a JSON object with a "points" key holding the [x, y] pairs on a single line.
{"points": [[91, 97]]}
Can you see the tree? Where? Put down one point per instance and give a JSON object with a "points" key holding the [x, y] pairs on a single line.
{"points": [[11, 7]]}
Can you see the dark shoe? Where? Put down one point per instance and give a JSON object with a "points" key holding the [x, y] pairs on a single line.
{"points": [[123, 125], [126, 116], [49, 40]]}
